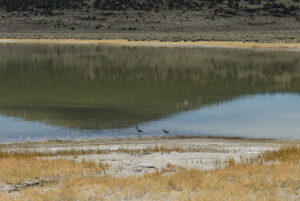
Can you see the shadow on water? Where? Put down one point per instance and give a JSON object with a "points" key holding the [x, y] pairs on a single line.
{"points": [[103, 87]]}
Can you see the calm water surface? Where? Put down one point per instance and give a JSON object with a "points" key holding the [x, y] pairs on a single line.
{"points": [[79, 92]]}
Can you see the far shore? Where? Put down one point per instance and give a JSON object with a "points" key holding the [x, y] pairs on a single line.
{"points": [[200, 44]]}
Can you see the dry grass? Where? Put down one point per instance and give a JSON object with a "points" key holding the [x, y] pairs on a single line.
{"points": [[285, 154], [17, 169], [166, 149], [123, 42], [239, 182], [30, 154], [245, 181], [74, 152]]}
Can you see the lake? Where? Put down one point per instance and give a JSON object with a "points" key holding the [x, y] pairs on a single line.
{"points": [[97, 91]]}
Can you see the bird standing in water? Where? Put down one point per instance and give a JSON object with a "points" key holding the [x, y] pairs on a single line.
{"points": [[166, 131], [139, 131]]}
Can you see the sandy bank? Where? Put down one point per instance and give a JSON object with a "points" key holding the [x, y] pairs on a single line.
{"points": [[211, 44]]}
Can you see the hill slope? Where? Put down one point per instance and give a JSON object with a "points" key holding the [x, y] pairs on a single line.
{"points": [[152, 16]]}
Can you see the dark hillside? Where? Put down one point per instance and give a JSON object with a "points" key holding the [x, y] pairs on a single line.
{"points": [[231, 7], [153, 16], [29, 5]]}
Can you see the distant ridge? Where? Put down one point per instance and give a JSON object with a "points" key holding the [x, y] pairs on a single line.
{"points": [[230, 7]]}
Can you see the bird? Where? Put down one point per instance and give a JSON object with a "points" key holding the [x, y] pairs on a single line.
{"points": [[166, 131], [139, 130]]}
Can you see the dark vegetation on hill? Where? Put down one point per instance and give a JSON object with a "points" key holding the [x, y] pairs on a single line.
{"points": [[219, 6], [231, 7], [164, 20], [12, 5]]}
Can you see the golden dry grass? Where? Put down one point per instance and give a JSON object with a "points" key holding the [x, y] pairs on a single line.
{"points": [[235, 183], [245, 181], [30, 154], [123, 42], [284, 154], [74, 152], [16, 170]]}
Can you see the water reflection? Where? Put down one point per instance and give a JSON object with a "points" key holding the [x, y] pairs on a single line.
{"points": [[258, 116], [90, 90]]}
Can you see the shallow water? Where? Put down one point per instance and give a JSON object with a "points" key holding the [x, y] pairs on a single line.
{"points": [[90, 91]]}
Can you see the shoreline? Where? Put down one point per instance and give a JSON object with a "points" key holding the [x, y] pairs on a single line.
{"points": [[153, 138], [149, 154], [154, 43]]}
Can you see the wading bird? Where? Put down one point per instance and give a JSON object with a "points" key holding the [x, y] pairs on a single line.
{"points": [[139, 131], [166, 131]]}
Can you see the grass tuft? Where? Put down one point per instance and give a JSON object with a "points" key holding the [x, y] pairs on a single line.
{"points": [[290, 154]]}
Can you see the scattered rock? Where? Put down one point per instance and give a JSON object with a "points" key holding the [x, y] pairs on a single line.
{"points": [[7, 187], [17, 187], [33, 182], [147, 166]]}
